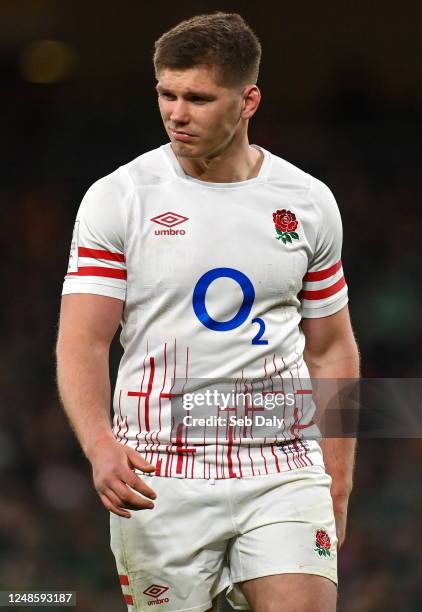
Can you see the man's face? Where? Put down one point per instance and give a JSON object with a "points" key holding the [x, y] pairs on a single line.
{"points": [[200, 116]]}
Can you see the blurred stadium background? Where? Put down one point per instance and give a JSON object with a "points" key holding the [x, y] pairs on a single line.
{"points": [[341, 99]]}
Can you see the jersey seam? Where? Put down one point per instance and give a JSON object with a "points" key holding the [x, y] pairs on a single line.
{"points": [[168, 163], [128, 174], [311, 200], [122, 203]]}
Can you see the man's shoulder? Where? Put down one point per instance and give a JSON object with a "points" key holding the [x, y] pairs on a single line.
{"points": [[287, 174], [149, 168], [292, 177]]}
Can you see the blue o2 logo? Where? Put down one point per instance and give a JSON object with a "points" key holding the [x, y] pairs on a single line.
{"points": [[200, 309], [201, 289]]}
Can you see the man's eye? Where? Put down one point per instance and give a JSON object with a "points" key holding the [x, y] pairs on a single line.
{"points": [[197, 100], [167, 96]]}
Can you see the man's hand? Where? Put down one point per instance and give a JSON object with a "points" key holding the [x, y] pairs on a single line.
{"points": [[113, 466], [340, 504]]}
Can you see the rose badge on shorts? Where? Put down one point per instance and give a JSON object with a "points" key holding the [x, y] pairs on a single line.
{"points": [[285, 225], [322, 543]]}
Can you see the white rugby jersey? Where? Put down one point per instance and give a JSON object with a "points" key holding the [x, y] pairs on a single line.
{"points": [[215, 278]]}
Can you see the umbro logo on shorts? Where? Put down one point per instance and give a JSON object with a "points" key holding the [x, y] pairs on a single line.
{"points": [[169, 220], [156, 591]]}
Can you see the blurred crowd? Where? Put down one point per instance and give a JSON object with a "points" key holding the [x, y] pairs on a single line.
{"points": [[53, 529]]}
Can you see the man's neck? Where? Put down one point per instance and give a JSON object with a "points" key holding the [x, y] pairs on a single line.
{"points": [[228, 167]]}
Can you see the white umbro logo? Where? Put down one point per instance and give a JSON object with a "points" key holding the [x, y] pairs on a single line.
{"points": [[170, 219]]}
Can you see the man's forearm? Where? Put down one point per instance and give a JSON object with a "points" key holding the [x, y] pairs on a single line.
{"points": [[338, 452], [84, 387], [339, 459]]}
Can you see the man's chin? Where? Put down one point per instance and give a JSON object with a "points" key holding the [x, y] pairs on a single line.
{"points": [[183, 149]]}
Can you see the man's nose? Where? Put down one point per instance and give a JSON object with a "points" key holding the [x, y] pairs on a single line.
{"points": [[179, 112]]}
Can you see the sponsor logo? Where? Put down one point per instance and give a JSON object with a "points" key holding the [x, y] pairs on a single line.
{"points": [[156, 591], [169, 220]]}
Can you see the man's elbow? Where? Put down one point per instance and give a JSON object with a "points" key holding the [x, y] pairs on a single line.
{"points": [[343, 351]]}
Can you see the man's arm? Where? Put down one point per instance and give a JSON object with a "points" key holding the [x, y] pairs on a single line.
{"points": [[87, 326], [331, 352]]}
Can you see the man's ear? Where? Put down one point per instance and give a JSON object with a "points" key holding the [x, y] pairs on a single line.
{"points": [[251, 100]]}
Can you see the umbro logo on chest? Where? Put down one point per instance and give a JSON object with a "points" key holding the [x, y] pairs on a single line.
{"points": [[169, 220]]}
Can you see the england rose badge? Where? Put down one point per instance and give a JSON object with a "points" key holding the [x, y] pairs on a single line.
{"points": [[322, 543], [285, 225]]}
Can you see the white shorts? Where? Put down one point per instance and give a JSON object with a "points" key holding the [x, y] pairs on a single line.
{"points": [[204, 536]]}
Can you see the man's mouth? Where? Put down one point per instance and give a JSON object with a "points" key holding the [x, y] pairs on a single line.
{"points": [[181, 135]]}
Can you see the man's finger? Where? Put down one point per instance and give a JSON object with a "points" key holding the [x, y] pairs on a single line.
{"points": [[137, 461], [113, 498], [129, 498], [112, 508], [135, 482]]}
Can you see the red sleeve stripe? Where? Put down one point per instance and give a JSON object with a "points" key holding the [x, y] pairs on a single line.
{"points": [[320, 294], [322, 274], [99, 271], [123, 579], [129, 600], [99, 254]]}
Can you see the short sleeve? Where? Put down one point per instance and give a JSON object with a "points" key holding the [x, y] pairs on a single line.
{"points": [[324, 288], [97, 261]]}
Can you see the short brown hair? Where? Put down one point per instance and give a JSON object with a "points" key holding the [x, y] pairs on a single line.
{"points": [[222, 40]]}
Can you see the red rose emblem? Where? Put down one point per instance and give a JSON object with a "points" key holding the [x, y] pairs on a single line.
{"points": [[323, 539], [285, 221], [285, 225]]}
